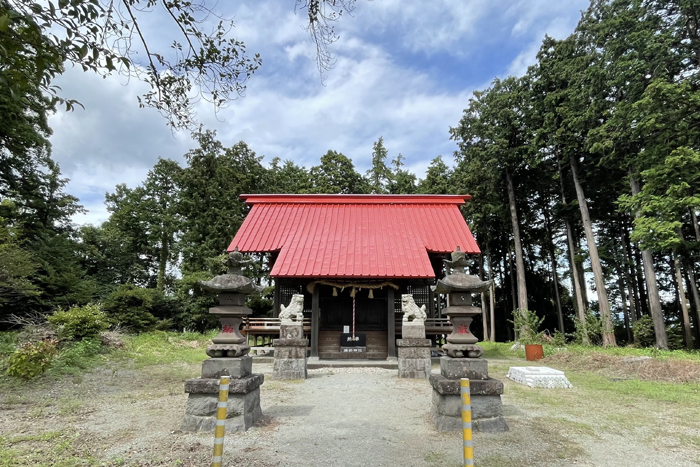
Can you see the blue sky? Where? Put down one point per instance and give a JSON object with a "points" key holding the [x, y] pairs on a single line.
{"points": [[405, 70]]}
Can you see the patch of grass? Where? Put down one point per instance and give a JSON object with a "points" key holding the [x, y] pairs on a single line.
{"points": [[497, 460], [162, 348], [626, 390], [51, 448]]}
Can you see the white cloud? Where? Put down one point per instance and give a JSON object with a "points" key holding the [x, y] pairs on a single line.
{"points": [[384, 84]]}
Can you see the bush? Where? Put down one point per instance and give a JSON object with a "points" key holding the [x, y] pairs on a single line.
{"points": [[527, 324], [32, 359], [559, 339], [77, 356], [133, 308], [592, 327], [79, 322], [643, 330]]}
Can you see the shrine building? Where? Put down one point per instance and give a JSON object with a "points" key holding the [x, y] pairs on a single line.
{"points": [[361, 251]]}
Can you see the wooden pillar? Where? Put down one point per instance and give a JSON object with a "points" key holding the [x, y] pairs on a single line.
{"points": [[276, 299], [431, 298], [314, 321], [391, 321]]}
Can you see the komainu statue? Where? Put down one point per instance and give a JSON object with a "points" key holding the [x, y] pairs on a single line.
{"points": [[410, 309], [295, 309]]}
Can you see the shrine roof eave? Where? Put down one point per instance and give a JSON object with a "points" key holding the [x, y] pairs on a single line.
{"points": [[353, 199]]}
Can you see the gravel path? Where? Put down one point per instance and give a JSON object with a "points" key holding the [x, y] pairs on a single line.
{"points": [[341, 418]]}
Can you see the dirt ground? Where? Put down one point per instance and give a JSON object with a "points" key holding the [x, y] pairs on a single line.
{"points": [[338, 417]]}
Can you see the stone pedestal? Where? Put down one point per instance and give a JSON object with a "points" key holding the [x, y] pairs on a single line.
{"points": [[413, 352], [290, 353], [487, 408], [243, 395]]}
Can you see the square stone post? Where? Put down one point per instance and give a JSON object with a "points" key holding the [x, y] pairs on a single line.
{"points": [[290, 352]]}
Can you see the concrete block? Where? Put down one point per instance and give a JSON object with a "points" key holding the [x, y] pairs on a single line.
{"points": [[456, 368], [291, 331], [243, 410], [286, 352], [413, 352], [291, 368], [236, 386], [489, 386], [413, 342], [239, 367], [417, 368], [487, 413], [412, 331]]}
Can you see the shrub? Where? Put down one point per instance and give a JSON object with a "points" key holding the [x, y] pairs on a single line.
{"points": [[133, 307], [643, 330], [592, 327], [79, 322], [527, 324], [32, 359], [77, 356], [559, 339]]}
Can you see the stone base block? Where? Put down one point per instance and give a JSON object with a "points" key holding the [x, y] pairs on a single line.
{"points": [[487, 412], [289, 368], [234, 367], [289, 351], [291, 331], [243, 410], [413, 352], [412, 331], [236, 386], [456, 368], [481, 387], [418, 368]]}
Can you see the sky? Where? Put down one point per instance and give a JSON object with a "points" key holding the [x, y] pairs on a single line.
{"points": [[404, 70]]}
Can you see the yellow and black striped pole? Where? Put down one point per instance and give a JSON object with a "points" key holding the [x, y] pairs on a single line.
{"points": [[221, 408], [466, 422]]}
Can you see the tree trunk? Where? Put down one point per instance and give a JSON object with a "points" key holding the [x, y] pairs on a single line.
{"points": [[603, 303], [552, 255], [696, 227], [519, 262], [657, 314], [484, 320], [502, 271], [629, 273], [625, 314], [687, 333], [512, 292], [492, 300], [643, 299], [694, 305], [573, 266], [163, 261]]}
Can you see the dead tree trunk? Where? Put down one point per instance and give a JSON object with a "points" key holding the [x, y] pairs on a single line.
{"points": [[657, 315], [603, 303], [519, 261]]}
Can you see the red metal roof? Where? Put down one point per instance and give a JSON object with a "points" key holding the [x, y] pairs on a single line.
{"points": [[354, 236]]}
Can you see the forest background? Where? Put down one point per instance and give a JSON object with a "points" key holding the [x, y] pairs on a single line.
{"points": [[584, 174]]}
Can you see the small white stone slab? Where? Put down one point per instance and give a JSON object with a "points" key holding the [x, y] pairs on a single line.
{"points": [[539, 377]]}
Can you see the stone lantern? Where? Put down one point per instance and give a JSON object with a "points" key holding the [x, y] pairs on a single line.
{"points": [[463, 359], [229, 356]]}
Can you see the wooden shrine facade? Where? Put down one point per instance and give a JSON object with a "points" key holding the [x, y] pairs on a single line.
{"points": [[375, 247]]}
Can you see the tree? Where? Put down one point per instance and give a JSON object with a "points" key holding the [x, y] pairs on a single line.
{"points": [[402, 182], [113, 37], [437, 178], [492, 134], [336, 174], [211, 183], [379, 176]]}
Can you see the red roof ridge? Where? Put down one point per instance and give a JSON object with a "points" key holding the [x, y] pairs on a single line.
{"points": [[353, 199]]}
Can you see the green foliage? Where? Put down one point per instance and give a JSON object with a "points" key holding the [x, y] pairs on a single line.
{"points": [[76, 357], [32, 359], [134, 308], [558, 339], [336, 174], [79, 322], [194, 303], [592, 327], [527, 325], [643, 330], [261, 303]]}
